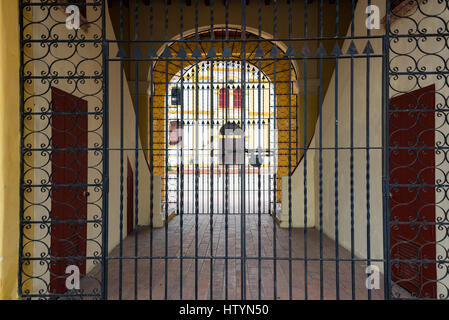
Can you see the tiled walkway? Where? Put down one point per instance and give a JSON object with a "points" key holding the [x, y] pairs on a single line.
{"points": [[226, 274]]}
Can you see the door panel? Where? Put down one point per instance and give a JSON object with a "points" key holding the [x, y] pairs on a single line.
{"points": [[69, 189], [412, 164]]}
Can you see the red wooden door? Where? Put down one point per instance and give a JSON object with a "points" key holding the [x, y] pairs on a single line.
{"points": [[412, 126], [130, 199], [69, 191]]}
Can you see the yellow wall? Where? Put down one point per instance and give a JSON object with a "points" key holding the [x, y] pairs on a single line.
{"points": [[300, 206], [9, 144], [344, 138]]}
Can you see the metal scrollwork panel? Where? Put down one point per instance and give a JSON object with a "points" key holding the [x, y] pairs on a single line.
{"points": [[63, 174], [418, 165]]}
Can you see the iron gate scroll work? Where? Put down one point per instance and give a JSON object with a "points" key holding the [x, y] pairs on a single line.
{"points": [[64, 169], [416, 161], [271, 154]]}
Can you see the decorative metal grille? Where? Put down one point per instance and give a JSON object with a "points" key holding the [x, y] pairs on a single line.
{"points": [[416, 136], [64, 172]]}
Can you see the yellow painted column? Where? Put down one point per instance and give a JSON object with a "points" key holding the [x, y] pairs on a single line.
{"points": [[9, 148]]}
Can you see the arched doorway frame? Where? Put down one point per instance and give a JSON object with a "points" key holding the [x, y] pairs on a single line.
{"points": [[230, 27], [201, 141]]}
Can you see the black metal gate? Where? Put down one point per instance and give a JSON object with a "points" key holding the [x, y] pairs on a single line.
{"points": [[228, 149]]}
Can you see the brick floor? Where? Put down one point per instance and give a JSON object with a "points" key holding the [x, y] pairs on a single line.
{"points": [[166, 274]]}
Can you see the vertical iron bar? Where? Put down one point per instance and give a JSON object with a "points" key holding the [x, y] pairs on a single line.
{"points": [[243, 170], [226, 202], [105, 153], [321, 158], [351, 160], [120, 295], [166, 160], [136, 154], [151, 142], [211, 175], [259, 212], [22, 180], [367, 118], [196, 91], [181, 213], [337, 262], [289, 177], [275, 151], [386, 153], [306, 28]]}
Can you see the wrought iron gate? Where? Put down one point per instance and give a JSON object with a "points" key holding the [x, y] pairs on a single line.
{"points": [[233, 149]]}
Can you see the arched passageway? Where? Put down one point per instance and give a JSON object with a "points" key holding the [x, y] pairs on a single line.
{"points": [[221, 146], [275, 88]]}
